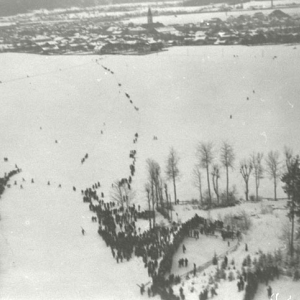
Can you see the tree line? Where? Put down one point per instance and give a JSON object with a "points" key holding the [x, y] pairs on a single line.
{"points": [[210, 164]]}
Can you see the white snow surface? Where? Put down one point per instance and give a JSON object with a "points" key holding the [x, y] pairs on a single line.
{"points": [[265, 235], [43, 254]]}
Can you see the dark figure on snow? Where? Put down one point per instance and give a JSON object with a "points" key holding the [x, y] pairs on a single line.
{"points": [[239, 286], [226, 260], [142, 289], [183, 248], [74, 188], [48, 182], [32, 181], [186, 262], [201, 296], [213, 292], [195, 269], [242, 283], [82, 231], [59, 186], [180, 262], [246, 247], [269, 290]]}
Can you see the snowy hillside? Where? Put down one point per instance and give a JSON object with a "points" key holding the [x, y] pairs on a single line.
{"points": [[57, 109]]}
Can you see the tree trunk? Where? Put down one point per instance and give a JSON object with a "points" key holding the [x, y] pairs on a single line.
{"points": [[170, 201], [200, 190], [256, 192], [275, 186], [217, 187], [153, 203], [149, 205], [227, 185], [167, 203], [156, 194], [174, 184], [247, 191], [293, 218], [208, 185]]}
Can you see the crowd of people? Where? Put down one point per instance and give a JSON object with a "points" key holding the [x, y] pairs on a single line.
{"points": [[156, 246], [183, 262], [4, 181]]}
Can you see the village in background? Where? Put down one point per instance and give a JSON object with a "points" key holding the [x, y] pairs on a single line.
{"points": [[173, 176], [92, 31]]}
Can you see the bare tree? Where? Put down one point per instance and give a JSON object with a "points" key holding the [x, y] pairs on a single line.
{"points": [[246, 169], [288, 153], [258, 170], [227, 160], [205, 153], [154, 179], [153, 169], [122, 193], [169, 205], [215, 179], [197, 181], [147, 189], [172, 170], [273, 168]]}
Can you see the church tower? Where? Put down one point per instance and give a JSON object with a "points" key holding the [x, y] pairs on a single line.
{"points": [[150, 17]]}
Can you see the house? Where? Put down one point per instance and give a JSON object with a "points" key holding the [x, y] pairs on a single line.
{"points": [[41, 38], [123, 47], [278, 14], [136, 30], [166, 30]]}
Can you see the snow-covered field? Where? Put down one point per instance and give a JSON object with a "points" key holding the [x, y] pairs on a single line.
{"points": [[265, 235], [184, 96]]}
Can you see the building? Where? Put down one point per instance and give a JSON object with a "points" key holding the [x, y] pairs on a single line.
{"points": [[149, 16]]}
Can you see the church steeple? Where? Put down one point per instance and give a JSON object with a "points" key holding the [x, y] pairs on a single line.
{"points": [[150, 18]]}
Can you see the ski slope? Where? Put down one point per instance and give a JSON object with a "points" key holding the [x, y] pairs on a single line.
{"points": [[57, 109]]}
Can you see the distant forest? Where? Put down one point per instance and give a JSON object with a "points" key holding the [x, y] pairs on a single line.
{"points": [[11, 7]]}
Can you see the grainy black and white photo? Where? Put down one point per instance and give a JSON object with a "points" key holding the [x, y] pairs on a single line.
{"points": [[149, 150]]}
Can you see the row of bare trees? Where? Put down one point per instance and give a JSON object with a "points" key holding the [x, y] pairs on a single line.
{"points": [[206, 160], [156, 186], [254, 166], [274, 168]]}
